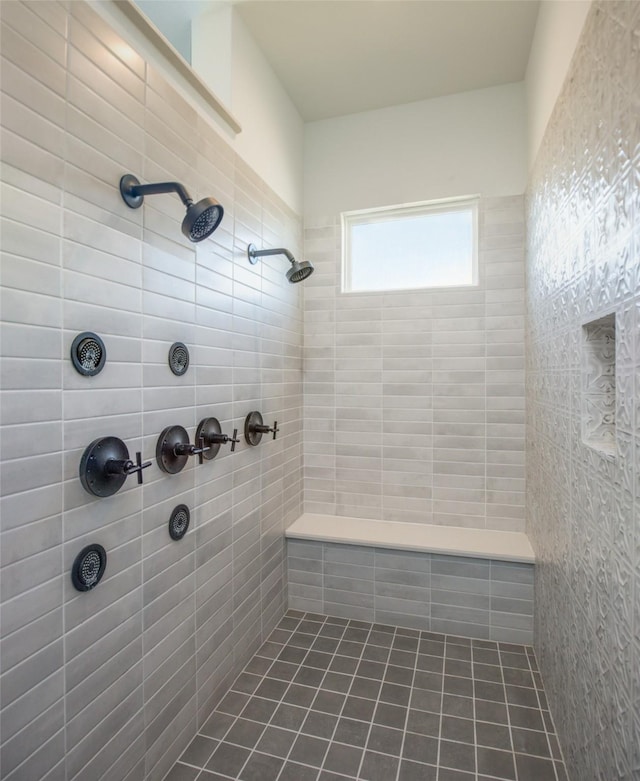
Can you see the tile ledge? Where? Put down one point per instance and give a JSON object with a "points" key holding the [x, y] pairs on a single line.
{"points": [[427, 538]]}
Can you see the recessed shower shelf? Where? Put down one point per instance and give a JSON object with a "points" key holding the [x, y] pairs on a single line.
{"points": [[598, 385]]}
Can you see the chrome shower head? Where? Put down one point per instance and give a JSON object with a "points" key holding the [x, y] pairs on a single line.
{"points": [[297, 272], [201, 219]]}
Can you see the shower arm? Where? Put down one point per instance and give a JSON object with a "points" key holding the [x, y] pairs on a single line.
{"points": [[137, 190], [258, 253]]}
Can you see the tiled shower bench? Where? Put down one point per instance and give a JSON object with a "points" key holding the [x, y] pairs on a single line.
{"points": [[468, 582]]}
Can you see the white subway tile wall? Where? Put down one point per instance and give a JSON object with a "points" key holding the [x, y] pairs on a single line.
{"points": [[414, 401], [113, 684], [584, 508]]}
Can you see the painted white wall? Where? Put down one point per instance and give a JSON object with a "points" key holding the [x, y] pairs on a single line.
{"points": [[272, 135], [472, 142], [211, 56], [558, 29]]}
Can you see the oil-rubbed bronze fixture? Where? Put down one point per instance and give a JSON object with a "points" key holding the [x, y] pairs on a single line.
{"points": [[210, 432], [179, 522], [299, 269], [88, 354], [105, 465], [201, 219], [254, 428], [179, 358], [173, 449], [88, 567]]}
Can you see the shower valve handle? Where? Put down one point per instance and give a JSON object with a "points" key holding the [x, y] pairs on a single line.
{"points": [[187, 449], [262, 429], [254, 428], [138, 467], [116, 466], [222, 439]]}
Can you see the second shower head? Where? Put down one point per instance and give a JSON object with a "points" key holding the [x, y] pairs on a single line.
{"points": [[299, 269], [201, 219]]}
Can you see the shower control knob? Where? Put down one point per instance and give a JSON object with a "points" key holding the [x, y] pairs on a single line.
{"points": [[173, 449], [105, 465], [210, 431], [191, 450], [254, 428], [129, 467]]}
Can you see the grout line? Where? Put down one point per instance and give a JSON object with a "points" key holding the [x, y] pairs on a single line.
{"points": [[411, 690], [506, 702], [377, 701]]}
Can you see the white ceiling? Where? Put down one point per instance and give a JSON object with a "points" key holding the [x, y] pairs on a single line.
{"points": [[338, 57]]}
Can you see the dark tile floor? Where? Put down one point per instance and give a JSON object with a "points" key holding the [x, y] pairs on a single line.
{"points": [[327, 699]]}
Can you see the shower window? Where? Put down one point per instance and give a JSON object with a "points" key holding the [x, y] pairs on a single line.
{"points": [[424, 245]]}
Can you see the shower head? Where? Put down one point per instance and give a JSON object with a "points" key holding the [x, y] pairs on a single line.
{"points": [[201, 219], [297, 272]]}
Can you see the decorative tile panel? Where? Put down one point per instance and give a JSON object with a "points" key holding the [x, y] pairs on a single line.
{"points": [[583, 264]]}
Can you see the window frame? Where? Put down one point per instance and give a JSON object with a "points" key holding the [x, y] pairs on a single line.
{"points": [[389, 213]]}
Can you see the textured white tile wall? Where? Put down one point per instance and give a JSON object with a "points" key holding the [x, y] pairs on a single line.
{"points": [[414, 400], [584, 508], [113, 683]]}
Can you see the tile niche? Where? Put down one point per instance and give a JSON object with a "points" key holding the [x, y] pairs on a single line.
{"points": [[599, 385]]}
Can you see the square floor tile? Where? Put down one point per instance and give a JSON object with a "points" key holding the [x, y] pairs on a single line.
{"points": [[299, 695], [395, 694], [343, 759], [228, 759], [460, 730], [277, 741], [414, 771], [424, 723], [199, 751], [321, 725], [458, 756], [393, 703], [493, 735], [259, 709], [309, 750], [526, 741], [390, 715], [492, 762], [420, 748], [378, 767], [180, 772], [385, 740], [245, 733], [534, 768], [261, 767], [358, 708], [352, 732], [289, 716], [292, 771]]}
